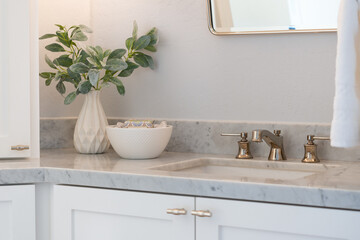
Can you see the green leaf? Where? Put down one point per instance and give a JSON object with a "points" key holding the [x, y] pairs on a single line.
{"points": [[116, 81], [121, 90], [60, 87], [49, 62], [100, 52], [115, 65], [154, 36], [126, 73], [75, 28], [107, 53], [67, 78], [46, 74], [94, 61], [96, 53], [129, 43], [91, 51], [135, 30], [107, 76], [85, 28], [64, 38], [60, 26], [46, 36], [105, 84], [79, 36], [144, 60], [117, 53], [85, 87], [150, 60], [152, 31], [94, 76], [142, 42], [64, 61], [151, 48], [83, 57], [129, 70], [56, 62], [75, 76], [48, 81], [79, 68], [141, 60], [55, 47], [70, 98], [153, 41], [131, 65], [58, 75], [119, 85]]}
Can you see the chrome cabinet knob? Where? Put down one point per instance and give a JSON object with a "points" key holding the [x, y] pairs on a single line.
{"points": [[176, 211], [201, 213]]}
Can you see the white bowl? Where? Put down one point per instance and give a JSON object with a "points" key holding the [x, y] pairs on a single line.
{"points": [[139, 143]]}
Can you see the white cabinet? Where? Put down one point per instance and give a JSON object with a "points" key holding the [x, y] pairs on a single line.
{"points": [[18, 78], [91, 214], [233, 220], [17, 212]]}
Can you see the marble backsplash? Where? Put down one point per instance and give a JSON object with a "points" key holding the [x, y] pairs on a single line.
{"points": [[204, 137]]}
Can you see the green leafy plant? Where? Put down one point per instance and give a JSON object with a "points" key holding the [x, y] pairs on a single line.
{"points": [[93, 68]]}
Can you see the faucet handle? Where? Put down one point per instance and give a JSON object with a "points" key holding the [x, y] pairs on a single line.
{"points": [[244, 145], [312, 138], [243, 135], [277, 132], [310, 155]]}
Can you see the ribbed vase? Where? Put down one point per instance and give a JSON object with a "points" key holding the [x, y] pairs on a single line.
{"points": [[90, 133]]}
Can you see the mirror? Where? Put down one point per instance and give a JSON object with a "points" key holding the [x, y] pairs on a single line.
{"points": [[272, 16]]}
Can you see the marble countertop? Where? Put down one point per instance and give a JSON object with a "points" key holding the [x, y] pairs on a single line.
{"points": [[334, 184]]}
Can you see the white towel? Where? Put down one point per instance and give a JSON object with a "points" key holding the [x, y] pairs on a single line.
{"points": [[345, 128]]}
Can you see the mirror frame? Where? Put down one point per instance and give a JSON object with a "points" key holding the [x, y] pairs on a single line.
{"points": [[214, 32]]}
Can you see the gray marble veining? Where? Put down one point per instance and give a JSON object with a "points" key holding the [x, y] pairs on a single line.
{"points": [[57, 132], [334, 184], [204, 137]]}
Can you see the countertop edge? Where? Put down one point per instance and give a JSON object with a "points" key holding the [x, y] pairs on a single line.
{"points": [[262, 192]]}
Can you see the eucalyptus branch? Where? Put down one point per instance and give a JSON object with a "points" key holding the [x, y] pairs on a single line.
{"points": [[84, 67]]}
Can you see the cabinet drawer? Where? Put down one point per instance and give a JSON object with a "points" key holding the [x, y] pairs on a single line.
{"points": [[91, 214], [17, 212], [258, 221]]}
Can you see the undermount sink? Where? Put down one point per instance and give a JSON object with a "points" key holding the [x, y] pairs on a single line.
{"points": [[230, 168]]}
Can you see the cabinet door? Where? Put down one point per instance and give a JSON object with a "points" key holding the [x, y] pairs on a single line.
{"points": [[91, 214], [14, 77], [234, 220], [17, 212]]}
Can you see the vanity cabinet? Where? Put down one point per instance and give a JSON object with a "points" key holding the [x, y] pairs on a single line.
{"points": [[19, 104], [14, 77], [233, 220], [17, 212], [90, 214]]}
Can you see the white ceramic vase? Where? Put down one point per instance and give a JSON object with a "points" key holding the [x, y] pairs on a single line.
{"points": [[90, 130]]}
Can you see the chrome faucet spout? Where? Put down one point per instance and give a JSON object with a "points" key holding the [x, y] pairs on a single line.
{"points": [[274, 140]]}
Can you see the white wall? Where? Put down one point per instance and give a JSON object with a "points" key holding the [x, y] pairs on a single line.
{"points": [[287, 78]]}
